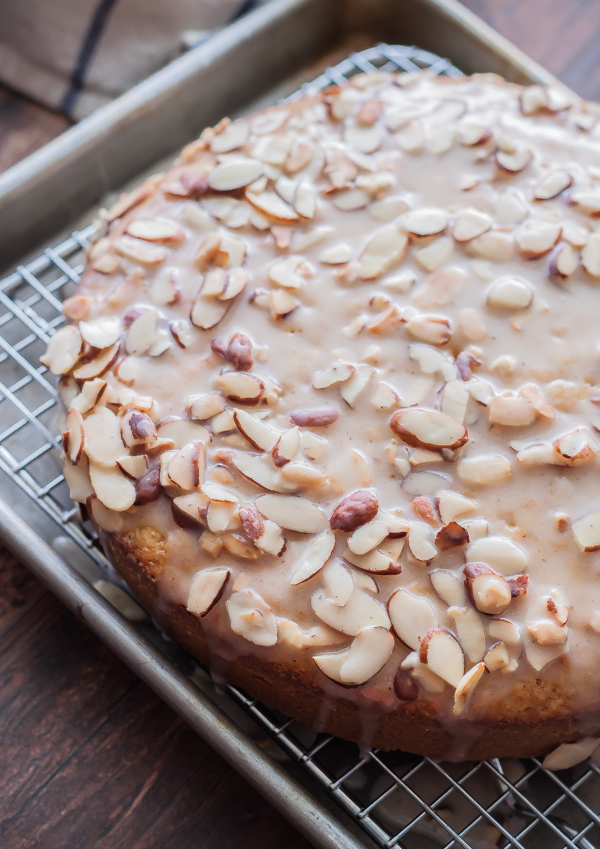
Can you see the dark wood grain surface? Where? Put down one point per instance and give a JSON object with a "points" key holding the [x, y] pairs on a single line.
{"points": [[89, 757]]}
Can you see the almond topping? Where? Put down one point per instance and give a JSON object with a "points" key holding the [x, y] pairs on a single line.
{"points": [[63, 350], [292, 513], [441, 651], [466, 686], [587, 531], [489, 591], [314, 557], [424, 428], [355, 510], [369, 652], [360, 611], [206, 590], [251, 617], [412, 616]]}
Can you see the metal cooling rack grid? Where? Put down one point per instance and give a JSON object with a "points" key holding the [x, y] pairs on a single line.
{"points": [[400, 800]]}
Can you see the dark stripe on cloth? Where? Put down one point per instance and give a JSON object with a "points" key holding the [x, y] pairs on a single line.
{"points": [[86, 54]]}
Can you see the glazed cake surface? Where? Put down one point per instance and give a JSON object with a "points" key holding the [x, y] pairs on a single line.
{"points": [[333, 401]]}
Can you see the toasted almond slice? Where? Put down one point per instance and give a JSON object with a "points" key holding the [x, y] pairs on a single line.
{"points": [[203, 407], [377, 561], [420, 542], [568, 755], [452, 505], [488, 590], [91, 394], [292, 513], [63, 350], [455, 398], [187, 467], [576, 448], [155, 230], [300, 476], [251, 617], [214, 283], [386, 247], [239, 547], [431, 361], [368, 536], [284, 272], [469, 629], [272, 206], [338, 582], [590, 255], [112, 488], [273, 148], [352, 389], [412, 616], [587, 531], [207, 313], [354, 510], [164, 290], [424, 428], [563, 261], [140, 251], [335, 373], [240, 387], [466, 686], [103, 443], [74, 437], [534, 98], [507, 632], [314, 557], [441, 651], [448, 586], [182, 332], [427, 221], [472, 134], [366, 139], [137, 428], [451, 536], [436, 254], [232, 137], [350, 198], [206, 589], [500, 553], [261, 471], [515, 160], [182, 431], [234, 173], [305, 200], [286, 447], [511, 411], [484, 470], [142, 332], [537, 238], [189, 510], [108, 520], [510, 294], [551, 185], [496, 657], [432, 329], [272, 540], [259, 434], [360, 611], [368, 654], [587, 200], [336, 254], [101, 332], [470, 223], [133, 466], [78, 480]]}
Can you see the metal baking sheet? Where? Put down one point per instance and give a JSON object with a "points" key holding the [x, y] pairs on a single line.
{"points": [[271, 49], [397, 799]]}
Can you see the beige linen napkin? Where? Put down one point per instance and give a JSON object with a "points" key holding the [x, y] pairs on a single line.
{"points": [[76, 55]]}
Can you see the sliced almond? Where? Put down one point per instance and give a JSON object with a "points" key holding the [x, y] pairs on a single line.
{"points": [[261, 471], [377, 561], [354, 510], [500, 553], [451, 536], [510, 294], [203, 407], [368, 536], [469, 224], [587, 200], [335, 373], [563, 261], [385, 248], [368, 654], [141, 333], [234, 173], [412, 616], [187, 467], [74, 437], [448, 586], [272, 206], [576, 448], [316, 554], [258, 433], [470, 632], [206, 590], [424, 428], [140, 251], [284, 272], [455, 398], [360, 611], [420, 542], [484, 470], [101, 332], [452, 505], [108, 520], [568, 755], [189, 510], [515, 160], [232, 137], [552, 184], [432, 329], [537, 238], [511, 411], [103, 443], [155, 230], [441, 651], [63, 350], [272, 540], [112, 488], [466, 686], [427, 221], [240, 387], [133, 466], [207, 313], [292, 513], [590, 255], [352, 389], [488, 590], [251, 617], [587, 531]]}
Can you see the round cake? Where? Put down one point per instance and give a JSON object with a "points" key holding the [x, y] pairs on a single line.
{"points": [[333, 388]]}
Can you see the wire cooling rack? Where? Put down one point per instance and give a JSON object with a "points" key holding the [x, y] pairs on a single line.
{"points": [[399, 800]]}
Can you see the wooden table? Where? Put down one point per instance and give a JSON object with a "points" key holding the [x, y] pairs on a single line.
{"points": [[89, 757]]}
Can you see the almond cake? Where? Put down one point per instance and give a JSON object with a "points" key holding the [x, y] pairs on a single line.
{"points": [[331, 388]]}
